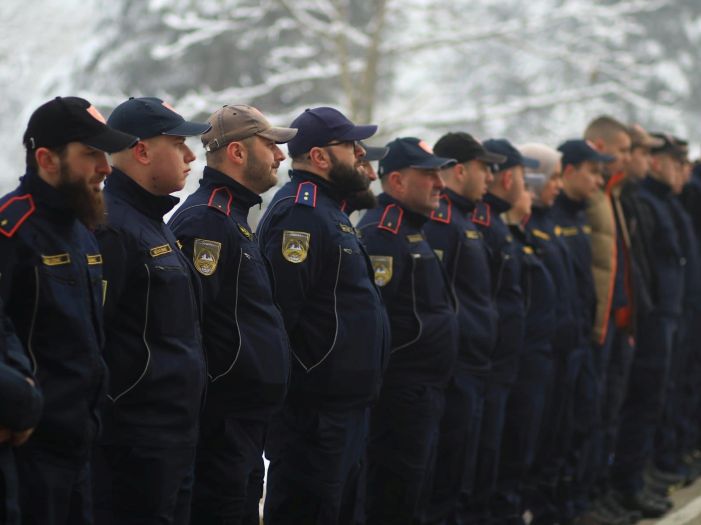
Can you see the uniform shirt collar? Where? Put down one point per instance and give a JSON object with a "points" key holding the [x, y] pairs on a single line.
{"points": [[242, 195], [465, 205], [655, 186], [497, 204], [153, 206], [324, 185], [42, 192], [413, 218]]}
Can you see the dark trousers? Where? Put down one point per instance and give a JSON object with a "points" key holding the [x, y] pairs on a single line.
{"points": [[403, 435], [9, 496], [229, 472], [316, 460], [142, 485], [551, 469], [522, 429], [643, 404], [477, 509], [453, 470], [54, 490]]}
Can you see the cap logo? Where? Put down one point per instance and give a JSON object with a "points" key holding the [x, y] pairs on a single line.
{"points": [[96, 114], [424, 146]]}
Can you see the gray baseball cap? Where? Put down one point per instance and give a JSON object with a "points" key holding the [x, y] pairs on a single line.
{"points": [[238, 122]]}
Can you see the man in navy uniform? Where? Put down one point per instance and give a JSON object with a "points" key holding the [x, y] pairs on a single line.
{"points": [[243, 331], [505, 273], [335, 320], [153, 343], [452, 234], [51, 292], [421, 307]]}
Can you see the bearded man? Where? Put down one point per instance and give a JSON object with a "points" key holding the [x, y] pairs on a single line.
{"points": [[336, 324], [51, 289], [249, 365]]}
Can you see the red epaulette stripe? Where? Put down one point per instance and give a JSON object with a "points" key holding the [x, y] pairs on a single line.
{"points": [[229, 202], [24, 217], [394, 230], [448, 213], [487, 220], [299, 190]]}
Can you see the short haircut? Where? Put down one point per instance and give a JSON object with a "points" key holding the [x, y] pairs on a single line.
{"points": [[31, 160], [604, 127]]}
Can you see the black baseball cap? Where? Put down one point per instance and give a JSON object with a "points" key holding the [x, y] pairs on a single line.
{"points": [[316, 127], [148, 117], [671, 145], [464, 147], [373, 152], [73, 119], [577, 151], [411, 152], [512, 156]]}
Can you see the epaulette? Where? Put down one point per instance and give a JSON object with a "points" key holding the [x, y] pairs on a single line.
{"points": [[444, 211], [221, 199], [14, 212], [306, 194], [482, 214], [391, 218]]}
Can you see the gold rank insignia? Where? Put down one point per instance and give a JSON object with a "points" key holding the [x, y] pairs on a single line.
{"points": [[56, 260], [295, 246], [205, 256], [245, 231], [382, 265]]}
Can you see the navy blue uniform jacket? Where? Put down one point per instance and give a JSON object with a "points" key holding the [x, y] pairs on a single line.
{"points": [[460, 246], [51, 287], [248, 355], [322, 281], [153, 344], [505, 269], [419, 299]]}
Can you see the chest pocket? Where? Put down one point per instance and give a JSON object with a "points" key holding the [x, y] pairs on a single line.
{"points": [[253, 275], [58, 281], [428, 281], [170, 298]]}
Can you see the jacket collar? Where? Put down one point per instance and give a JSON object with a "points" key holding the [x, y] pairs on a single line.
{"points": [[570, 205], [242, 195], [325, 186], [153, 206], [497, 204], [417, 220], [656, 187], [49, 197], [465, 205]]}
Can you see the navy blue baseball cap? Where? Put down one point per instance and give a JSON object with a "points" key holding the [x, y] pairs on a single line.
{"points": [[577, 151], [373, 152], [513, 157], [410, 152], [316, 127], [148, 117]]}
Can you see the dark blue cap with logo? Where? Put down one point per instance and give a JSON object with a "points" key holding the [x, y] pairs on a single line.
{"points": [[576, 151], [411, 152], [316, 127], [512, 156], [148, 117]]}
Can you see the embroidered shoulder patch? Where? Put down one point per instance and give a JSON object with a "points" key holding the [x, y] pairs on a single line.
{"points": [[205, 256], [295, 246], [382, 267]]}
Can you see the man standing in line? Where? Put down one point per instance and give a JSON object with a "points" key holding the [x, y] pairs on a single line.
{"points": [[244, 335], [153, 348], [421, 308], [335, 320], [51, 292]]}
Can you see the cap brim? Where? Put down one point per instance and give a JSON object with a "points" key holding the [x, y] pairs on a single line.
{"points": [[433, 163], [529, 162], [372, 153], [359, 133], [490, 158], [600, 157], [110, 140], [188, 129], [279, 135]]}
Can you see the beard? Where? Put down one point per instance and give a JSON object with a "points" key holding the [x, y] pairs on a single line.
{"points": [[259, 174], [362, 200], [87, 205], [349, 180]]}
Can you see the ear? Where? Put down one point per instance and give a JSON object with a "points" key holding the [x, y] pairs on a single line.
{"points": [[395, 181], [320, 158], [507, 179], [47, 160], [599, 144], [141, 154], [236, 152]]}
